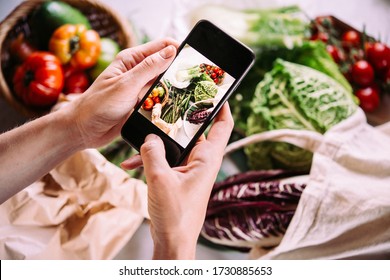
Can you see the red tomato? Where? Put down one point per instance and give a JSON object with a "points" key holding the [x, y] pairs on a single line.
{"points": [[324, 21], [335, 53], [350, 38], [362, 73], [387, 77], [320, 36], [156, 99], [148, 104], [39, 80], [378, 55], [369, 98], [78, 82]]}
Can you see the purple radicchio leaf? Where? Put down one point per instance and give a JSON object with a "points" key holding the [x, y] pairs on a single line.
{"points": [[245, 211], [246, 228], [255, 176], [198, 116]]}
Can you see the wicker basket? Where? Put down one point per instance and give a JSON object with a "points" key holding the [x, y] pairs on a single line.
{"points": [[102, 19]]}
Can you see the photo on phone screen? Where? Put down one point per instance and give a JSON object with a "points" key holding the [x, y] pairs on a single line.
{"points": [[186, 95]]}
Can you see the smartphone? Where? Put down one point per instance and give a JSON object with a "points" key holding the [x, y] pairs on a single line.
{"points": [[185, 98]]}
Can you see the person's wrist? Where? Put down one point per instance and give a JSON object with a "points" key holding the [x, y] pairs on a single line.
{"points": [[168, 246], [65, 122]]}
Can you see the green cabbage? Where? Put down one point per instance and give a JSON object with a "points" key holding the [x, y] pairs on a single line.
{"points": [[296, 97], [205, 90]]}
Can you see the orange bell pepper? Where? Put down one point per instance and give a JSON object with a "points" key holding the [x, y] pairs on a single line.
{"points": [[75, 44]]}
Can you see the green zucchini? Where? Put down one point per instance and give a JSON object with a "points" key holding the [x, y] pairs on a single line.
{"points": [[51, 15]]}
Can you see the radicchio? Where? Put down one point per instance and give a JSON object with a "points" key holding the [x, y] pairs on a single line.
{"points": [[252, 208]]}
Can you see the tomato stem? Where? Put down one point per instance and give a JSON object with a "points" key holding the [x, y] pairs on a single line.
{"points": [[74, 44], [28, 77]]}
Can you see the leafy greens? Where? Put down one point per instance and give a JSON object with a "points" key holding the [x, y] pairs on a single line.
{"points": [[296, 97]]}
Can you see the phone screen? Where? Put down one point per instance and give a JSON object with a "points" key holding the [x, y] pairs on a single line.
{"points": [[186, 95]]}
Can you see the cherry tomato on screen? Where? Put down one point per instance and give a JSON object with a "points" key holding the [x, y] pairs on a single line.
{"points": [[148, 104]]}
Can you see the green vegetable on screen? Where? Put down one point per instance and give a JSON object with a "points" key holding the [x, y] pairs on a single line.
{"points": [[296, 97], [191, 74], [205, 90]]}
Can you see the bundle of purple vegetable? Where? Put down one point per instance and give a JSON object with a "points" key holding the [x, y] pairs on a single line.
{"points": [[253, 208], [199, 116]]}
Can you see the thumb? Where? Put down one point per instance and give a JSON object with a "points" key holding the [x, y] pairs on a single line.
{"points": [[152, 66], [153, 155]]}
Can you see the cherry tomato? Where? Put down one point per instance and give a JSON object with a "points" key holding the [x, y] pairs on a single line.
{"points": [[148, 104], [320, 36], [156, 99], [362, 73], [387, 77], [378, 55], [335, 53], [369, 98], [350, 38], [386, 82], [324, 21]]}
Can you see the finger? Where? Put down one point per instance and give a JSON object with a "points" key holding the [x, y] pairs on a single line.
{"points": [[153, 155], [132, 56], [221, 129], [151, 67], [132, 162]]}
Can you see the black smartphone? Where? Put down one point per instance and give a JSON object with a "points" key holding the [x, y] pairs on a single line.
{"points": [[185, 98]]}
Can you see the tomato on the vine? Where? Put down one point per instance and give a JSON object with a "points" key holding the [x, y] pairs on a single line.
{"points": [[378, 55], [320, 36], [362, 73], [387, 77], [350, 39], [335, 53], [369, 98]]}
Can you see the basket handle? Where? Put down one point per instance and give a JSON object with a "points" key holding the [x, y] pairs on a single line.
{"points": [[305, 139]]}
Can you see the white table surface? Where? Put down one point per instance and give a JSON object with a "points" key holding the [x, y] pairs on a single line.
{"points": [[163, 18]]}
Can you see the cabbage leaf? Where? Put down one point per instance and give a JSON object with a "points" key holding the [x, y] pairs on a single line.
{"points": [[296, 97]]}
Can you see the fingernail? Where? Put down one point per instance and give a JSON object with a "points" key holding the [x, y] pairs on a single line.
{"points": [[167, 52], [151, 137]]}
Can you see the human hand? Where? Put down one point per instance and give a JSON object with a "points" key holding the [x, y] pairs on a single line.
{"points": [[101, 111], [178, 197]]}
